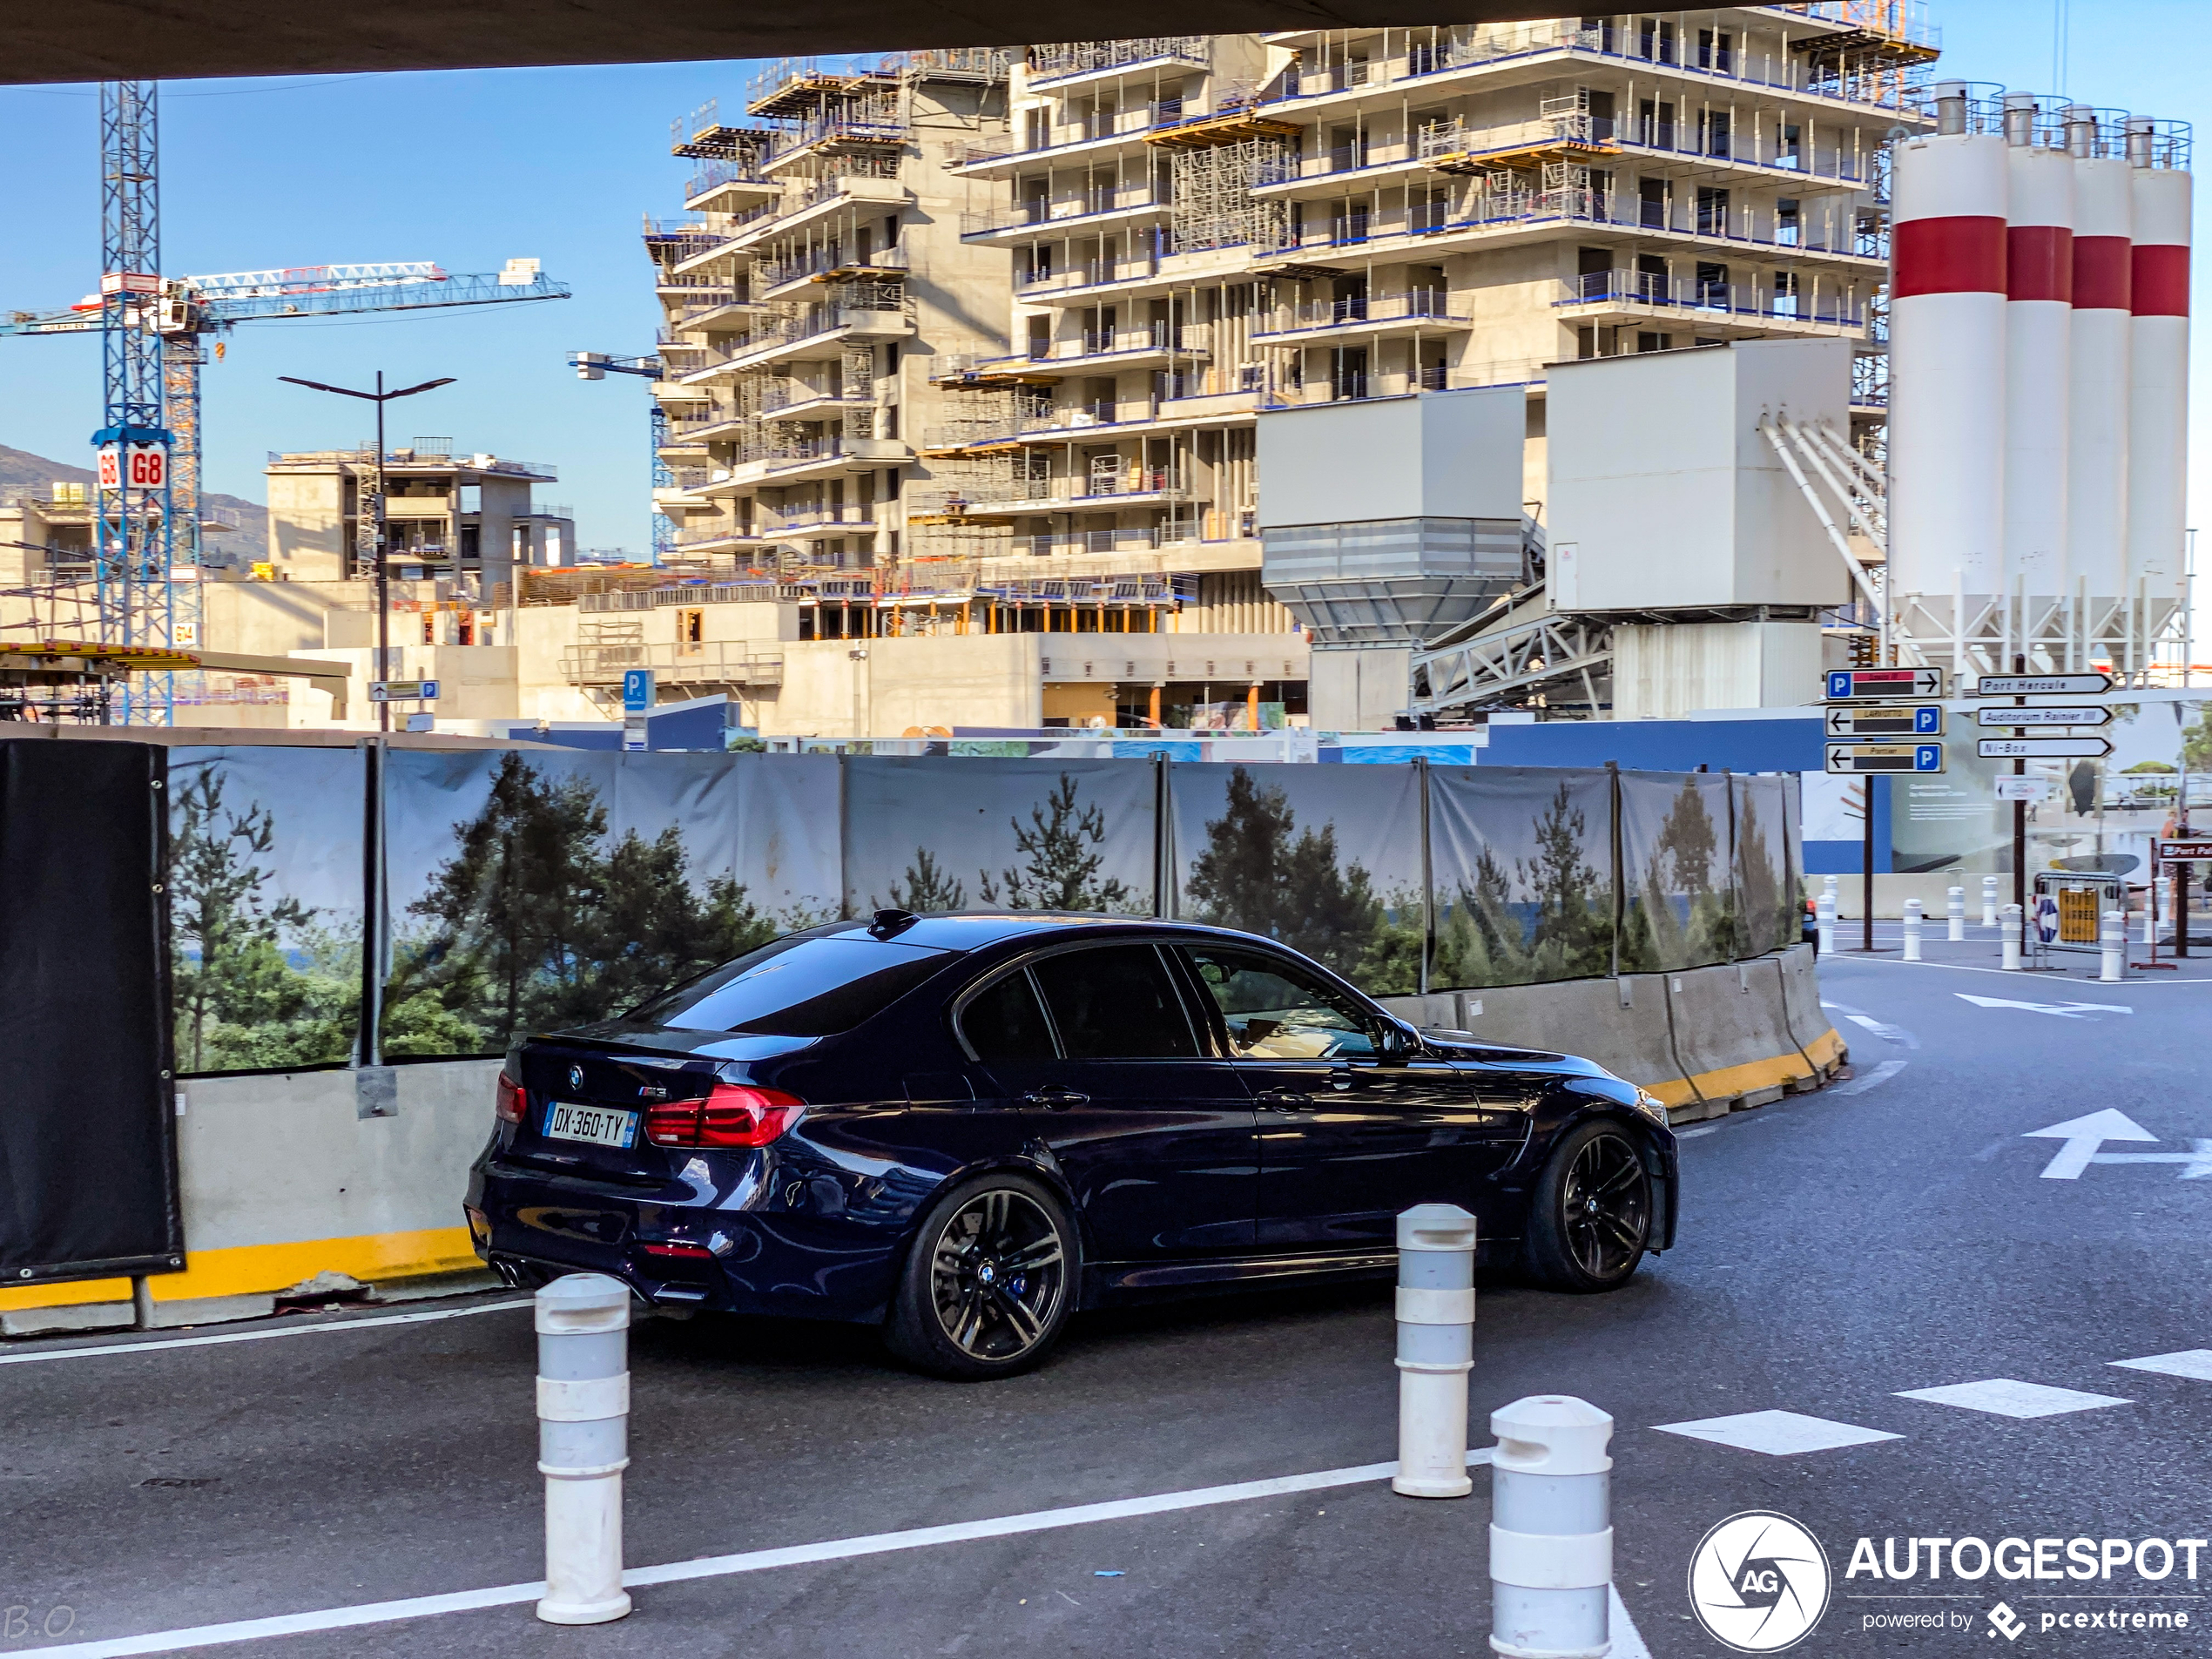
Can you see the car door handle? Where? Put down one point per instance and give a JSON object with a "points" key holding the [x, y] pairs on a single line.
{"points": [[1340, 1078], [1053, 1097], [1284, 1100]]}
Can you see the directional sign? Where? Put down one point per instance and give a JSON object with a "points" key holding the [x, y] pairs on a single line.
{"points": [[2042, 684], [2184, 852], [2049, 714], [2042, 748], [429, 691], [1864, 684], [395, 690], [2023, 789], [1884, 756], [1901, 720], [2083, 1135]]}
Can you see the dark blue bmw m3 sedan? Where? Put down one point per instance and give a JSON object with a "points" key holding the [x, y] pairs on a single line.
{"points": [[965, 1127]]}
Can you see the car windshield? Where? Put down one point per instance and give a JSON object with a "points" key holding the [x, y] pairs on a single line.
{"points": [[796, 987]]}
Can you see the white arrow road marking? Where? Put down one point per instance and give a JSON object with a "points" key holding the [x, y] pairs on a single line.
{"points": [[2199, 1163], [2082, 1136], [1881, 1028], [2064, 1010]]}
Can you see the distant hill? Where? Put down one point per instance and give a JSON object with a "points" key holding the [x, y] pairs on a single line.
{"points": [[25, 473]]}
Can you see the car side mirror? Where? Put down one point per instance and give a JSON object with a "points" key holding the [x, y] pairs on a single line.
{"points": [[1397, 1043]]}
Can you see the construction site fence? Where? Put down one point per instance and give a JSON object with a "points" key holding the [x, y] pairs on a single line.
{"points": [[331, 906]]}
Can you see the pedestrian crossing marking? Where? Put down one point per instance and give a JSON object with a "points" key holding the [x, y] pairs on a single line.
{"points": [[1777, 1434], [2008, 1397]]}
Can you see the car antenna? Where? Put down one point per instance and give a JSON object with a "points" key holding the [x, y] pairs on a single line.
{"points": [[887, 923]]}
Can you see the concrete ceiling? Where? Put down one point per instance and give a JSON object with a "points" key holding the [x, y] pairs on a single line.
{"points": [[88, 40]]}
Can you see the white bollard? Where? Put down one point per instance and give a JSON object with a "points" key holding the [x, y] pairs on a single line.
{"points": [[2150, 918], [1551, 1529], [1912, 930], [1828, 889], [584, 1444], [1824, 921], [1989, 901], [2009, 933], [2113, 939], [1956, 907], [1435, 1350], [2164, 888]]}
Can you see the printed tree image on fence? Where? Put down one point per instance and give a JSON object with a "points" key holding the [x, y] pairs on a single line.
{"points": [[1683, 913], [534, 922], [1768, 909], [257, 981], [1260, 873], [1549, 916], [1060, 852]]}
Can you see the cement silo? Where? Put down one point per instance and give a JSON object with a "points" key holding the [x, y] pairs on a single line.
{"points": [[2039, 323], [2097, 410], [2158, 360], [1947, 342]]}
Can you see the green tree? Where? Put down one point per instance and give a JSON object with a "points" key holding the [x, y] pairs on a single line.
{"points": [[928, 886], [1572, 935], [650, 930], [1062, 847], [229, 964]]}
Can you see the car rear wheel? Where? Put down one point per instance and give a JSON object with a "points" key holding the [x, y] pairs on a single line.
{"points": [[989, 1282], [1591, 1219]]}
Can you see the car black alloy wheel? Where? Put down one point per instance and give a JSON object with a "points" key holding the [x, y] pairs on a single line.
{"points": [[990, 1281], [1606, 1207], [1590, 1218]]}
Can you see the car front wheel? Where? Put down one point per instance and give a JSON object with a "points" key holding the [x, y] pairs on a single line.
{"points": [[989, 1282], [1591, 1219]]}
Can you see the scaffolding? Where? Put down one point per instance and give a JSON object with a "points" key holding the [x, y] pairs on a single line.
{"points": [[1211, 204]]}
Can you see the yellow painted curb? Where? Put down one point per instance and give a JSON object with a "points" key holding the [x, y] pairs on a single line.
{"points": [[246, 1270], [1826, 1049], [1728, 1081]]}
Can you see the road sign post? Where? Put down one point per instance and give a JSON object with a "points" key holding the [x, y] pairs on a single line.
{"points": [[1858, 759], [1893, 721], [638, 695]]}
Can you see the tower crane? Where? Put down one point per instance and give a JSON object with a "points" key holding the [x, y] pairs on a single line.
{"points": [[597, 366], [154, 333]]}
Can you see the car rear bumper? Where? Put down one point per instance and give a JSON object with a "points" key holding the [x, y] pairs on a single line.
{"points": [[733, 1253]]}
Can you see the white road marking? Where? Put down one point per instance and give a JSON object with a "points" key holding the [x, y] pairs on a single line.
{"points": [[2006, 1397], [2083, 1135], [836, 1549], [1777, 1434], [2197, 1163], [2063, 1010], [1881, 1074], [2195, 1363], [321, 1327], [1628, 1641]]}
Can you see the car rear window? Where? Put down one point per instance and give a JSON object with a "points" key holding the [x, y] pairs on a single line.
{"points": [[796, 987]]}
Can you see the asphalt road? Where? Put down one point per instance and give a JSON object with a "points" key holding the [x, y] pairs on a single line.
{"points": [[1894, 1233]]}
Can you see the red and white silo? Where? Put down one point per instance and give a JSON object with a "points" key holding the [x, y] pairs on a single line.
{"points": [[1947, 339], [2097, 414], [2158, 358], [2039, 327]]}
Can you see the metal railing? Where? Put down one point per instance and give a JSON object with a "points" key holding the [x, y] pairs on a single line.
{"points": [[1084, 57], [1716, 294], [704, 662], [769, 273], [1421, 305], [1037, 210], [713, 174], [1733, 225]]}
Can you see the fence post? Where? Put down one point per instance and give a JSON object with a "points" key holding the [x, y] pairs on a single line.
{"points": [[584, 1444], [1435, 1350], [2008, 929], [1428, 878], [1956, 905], [1912, 930], [1989, 901], [1551, 1529]]}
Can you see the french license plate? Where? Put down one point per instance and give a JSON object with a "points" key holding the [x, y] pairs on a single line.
{"points": [[565, 1121]]}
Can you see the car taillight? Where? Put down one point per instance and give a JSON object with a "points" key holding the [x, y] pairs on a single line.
{"points": [[511, 1102], [733, 1115]]}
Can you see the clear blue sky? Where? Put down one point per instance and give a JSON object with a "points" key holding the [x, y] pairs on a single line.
{"points": [[471, 169]]}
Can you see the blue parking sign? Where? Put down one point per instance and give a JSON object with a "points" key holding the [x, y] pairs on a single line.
{"points": [[636, 691], [1928, 721]]}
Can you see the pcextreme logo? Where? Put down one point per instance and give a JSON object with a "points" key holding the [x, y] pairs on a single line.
{"points": [[1758, 1583]]}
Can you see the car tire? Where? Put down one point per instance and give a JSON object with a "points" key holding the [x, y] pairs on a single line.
{"points": [[993, 1275], [1590, 1220]]}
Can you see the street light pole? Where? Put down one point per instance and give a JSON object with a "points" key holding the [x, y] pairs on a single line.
{"points": [[379, 397]]}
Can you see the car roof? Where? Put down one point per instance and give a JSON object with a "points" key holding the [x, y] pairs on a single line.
{"points": [[973, 929]]}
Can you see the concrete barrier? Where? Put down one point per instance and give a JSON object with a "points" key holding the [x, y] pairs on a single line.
{"points": [[284, 1178], [1707, 1041]]}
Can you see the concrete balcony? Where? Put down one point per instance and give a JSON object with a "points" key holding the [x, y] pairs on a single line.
{"points": [[818, 335], [1092, 211], [1101, 63], [823, 199], [1092, 136], [774, 279], [1137, 276], [1110, 351], [1715, 309], [817, 524], [1379, 316], [699, 662]]}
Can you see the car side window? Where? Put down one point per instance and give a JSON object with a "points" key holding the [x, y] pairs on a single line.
{"points": [[1006, 1022], [1116, 1002], [1274, 1010]]}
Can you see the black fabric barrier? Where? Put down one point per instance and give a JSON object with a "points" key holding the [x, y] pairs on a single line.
{"points": [[88, 1155]]}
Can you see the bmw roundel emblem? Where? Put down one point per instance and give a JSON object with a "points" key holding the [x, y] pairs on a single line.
{"points": [[575, 1078]]}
